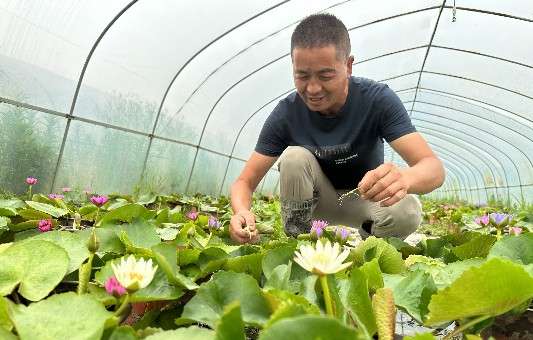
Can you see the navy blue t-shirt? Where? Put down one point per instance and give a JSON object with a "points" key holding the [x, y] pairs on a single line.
{"points": [[346, 146]]}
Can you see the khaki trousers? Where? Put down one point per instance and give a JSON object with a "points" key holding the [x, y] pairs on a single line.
{"points": [[302, 179]]}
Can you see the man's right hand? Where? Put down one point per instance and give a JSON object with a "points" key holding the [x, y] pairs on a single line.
{"points": [[237, 231]]}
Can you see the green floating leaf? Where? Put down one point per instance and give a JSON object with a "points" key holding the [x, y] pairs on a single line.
{"points": [[61, 316], [280, 279], [5, 322], [123, 333], [373, 274], [127, 213], [3, 222], [249, 264], [12, 203], [307, 327], [6, 335], [47, 208], [413, 294], [352, 300], [385, 312], [230, 325], [37, 266], [492, 289], [422, 336], [389, 259], [452, 271], [207, 306], [109, 240], [9, 212], [477, 247], [285, 304], [166, 256], [75, 246], [189, 333], [516, 248], [31, 214], [141, 233]]}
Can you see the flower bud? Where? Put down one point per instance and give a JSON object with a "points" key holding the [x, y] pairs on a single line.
{"points": [[92, 242]]}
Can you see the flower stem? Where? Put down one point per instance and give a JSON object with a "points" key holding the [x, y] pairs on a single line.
{"points": [[498, 234], [96, 217], [29, 193], [124, 304], [327, 296]]}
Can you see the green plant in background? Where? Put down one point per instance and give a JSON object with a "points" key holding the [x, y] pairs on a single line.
{"points": [[31, 154]]}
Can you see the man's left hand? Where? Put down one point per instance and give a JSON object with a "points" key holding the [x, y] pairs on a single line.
{"points": [[385, 183]]}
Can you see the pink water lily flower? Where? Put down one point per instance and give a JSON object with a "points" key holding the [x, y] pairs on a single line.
{"points": [[193, 216], [515, 230], [66, 189], [45, 225], [31, 180], [98, 200], [482, 221], [320, 224], [52, 196], [113, 287]]}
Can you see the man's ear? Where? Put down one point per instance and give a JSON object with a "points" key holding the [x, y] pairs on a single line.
{"points": [[349, 65]]}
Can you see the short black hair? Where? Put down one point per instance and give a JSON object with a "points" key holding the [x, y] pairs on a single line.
{"points": [[320, 30]]}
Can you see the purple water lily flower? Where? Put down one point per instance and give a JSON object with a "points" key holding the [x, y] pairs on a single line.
{"points": [[341, 235], [500, 220], [316, 232], [214, 224], [98, 200]]}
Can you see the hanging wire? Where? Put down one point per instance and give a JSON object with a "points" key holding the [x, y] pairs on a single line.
{"points": [[454, 11]]}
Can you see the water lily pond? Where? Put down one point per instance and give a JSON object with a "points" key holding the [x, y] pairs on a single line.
{"points": [[84, 266]]}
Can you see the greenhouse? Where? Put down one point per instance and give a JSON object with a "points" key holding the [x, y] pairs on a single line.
{"points": [[126, 126]]}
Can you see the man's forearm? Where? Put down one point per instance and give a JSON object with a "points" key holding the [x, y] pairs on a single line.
{"points": [[424, 177], [240, 196]]}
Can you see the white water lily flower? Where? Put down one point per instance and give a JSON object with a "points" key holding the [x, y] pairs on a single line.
{"points": [[134, 275], [322, 260]]}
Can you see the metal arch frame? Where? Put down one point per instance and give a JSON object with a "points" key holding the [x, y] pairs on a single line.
{"points": [[461, 160], [70, 115], [488, 164], [241, 130], [179, 72], [460, 179], [495, 148], [485, 142], [468, 167]]}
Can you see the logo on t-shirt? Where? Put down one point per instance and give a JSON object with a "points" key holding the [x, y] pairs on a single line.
{"points": [[339, 154]]}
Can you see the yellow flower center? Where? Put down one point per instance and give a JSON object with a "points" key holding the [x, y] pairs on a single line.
{"points": [[134, 275]]}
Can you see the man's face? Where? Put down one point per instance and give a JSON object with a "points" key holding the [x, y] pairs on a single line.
{"points": [[321, 79]]}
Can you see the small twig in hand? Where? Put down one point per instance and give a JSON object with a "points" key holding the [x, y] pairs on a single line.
{"points": [[355, 191], [250, 233]]}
